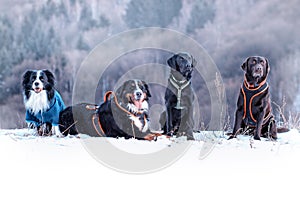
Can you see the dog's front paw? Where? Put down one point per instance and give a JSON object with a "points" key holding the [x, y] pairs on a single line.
{"points": [[57, 132], [152, 136], [170, 133], [45, 130], [256, 137], [231, 136]]}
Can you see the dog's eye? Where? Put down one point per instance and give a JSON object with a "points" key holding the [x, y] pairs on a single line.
{"points": [[41, 78], [262, 62], [34, 77]]}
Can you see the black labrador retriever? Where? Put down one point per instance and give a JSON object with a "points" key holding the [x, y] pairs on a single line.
{"points": [[178, 117], [254, 113]]}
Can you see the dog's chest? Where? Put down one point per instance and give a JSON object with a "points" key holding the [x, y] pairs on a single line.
{"points": [[37, 102], [252, 102], [181, 94]]}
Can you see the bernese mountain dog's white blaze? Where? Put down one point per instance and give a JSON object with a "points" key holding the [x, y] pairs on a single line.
{"points": [[136, 95], [42, 102]]}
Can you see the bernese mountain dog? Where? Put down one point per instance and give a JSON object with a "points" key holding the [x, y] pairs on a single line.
{"points": [[42, 102], [123, 113]]}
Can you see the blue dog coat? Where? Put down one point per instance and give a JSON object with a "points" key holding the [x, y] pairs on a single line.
{"points": [[50, 116]]}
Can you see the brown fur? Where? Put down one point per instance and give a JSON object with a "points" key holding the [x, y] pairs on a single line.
{"points": [[256, 71]]}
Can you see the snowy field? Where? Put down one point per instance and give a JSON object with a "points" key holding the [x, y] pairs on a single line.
{"points": [[62, 168]]}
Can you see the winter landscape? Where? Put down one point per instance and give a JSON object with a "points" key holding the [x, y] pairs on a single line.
{"points": [[59, 35]]}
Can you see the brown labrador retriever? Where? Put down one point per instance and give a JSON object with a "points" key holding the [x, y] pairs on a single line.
{"points": [[254, 113]]}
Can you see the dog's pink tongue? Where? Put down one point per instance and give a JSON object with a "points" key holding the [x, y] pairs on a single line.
{"points": [[38, 90], [138, 103]]}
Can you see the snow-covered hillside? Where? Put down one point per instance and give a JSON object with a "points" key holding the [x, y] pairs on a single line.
{"points": [[62, 168]]}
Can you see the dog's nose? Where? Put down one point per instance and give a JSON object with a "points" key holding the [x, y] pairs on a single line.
{"points": [[188, 65], [258, 68], [36, 83], [138, 94]]}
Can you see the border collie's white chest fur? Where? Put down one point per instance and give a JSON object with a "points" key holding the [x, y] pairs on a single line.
{"points": [[37, 102]]}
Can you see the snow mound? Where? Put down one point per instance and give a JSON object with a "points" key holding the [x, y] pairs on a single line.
{"points": [[35, 167]]}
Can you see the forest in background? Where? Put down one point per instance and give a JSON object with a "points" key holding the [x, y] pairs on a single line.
{"points": [[58, 35]]}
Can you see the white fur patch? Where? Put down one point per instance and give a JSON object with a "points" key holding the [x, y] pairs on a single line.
{"points": [[146, 127], [57, 132], [136, 122], [132, 108], [38, 81], [37, 102], [145, 105], [139, 124]]}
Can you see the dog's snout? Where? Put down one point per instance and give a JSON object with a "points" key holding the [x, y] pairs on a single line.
{"points": [[258, 68], [138, 94], [36, 83]]}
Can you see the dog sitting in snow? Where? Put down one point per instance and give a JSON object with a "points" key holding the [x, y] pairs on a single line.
{"points": [[178, 117], [42, 102], [254, 113]]}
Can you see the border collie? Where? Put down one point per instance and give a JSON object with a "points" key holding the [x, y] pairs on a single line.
{"points": [[42, 102]]}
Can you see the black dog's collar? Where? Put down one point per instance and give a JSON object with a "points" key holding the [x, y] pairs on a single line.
{"points": [[179, 85], [172, 77]]}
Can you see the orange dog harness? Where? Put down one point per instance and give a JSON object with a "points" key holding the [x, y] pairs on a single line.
{"points": [[250, 93]]}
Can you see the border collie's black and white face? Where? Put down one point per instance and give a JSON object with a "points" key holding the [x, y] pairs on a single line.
{"points": [[38, 89]]}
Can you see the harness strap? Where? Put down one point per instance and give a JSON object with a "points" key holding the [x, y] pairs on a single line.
{"points": [[96, 121], [253, 87], [179, 88], [95, 118], [248, 95], [109, 93]]}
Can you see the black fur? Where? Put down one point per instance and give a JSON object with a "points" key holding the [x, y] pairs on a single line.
{"points": [[179, 121], [114, 120]]}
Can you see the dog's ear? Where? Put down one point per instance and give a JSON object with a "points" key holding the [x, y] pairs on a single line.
{"points": [[147, 89], [50, 76], [267, 66], [172, 61], [120, 91], [245, 64], [26, 78]]}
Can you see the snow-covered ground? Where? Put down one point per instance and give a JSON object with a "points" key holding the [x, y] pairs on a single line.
{"points": [[63, 168]]}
